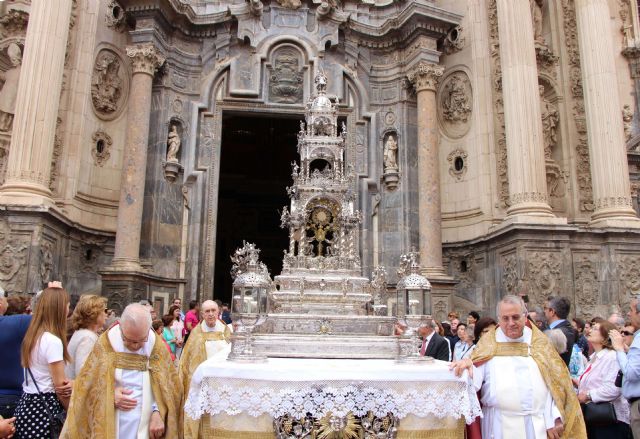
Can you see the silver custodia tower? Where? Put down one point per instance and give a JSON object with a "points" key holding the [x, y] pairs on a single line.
{"points": [[321, 306]]}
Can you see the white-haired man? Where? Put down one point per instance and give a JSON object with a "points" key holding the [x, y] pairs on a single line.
{"points": [[126, 388], [209, 339], [526, 390]]}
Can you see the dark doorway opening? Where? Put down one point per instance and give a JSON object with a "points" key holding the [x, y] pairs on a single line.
{"points": [[255, 169]]}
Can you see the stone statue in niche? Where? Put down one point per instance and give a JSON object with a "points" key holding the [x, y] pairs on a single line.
{"points": [[10, 88], [456, 104], [106, 85], [173, 144], [627, 118], [537, 17], [550, 120], [391, 153]]}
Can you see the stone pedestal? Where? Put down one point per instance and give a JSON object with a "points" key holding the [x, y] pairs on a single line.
{"points": [[523, 120], [37, 103], [145, 60], [609, 167]]}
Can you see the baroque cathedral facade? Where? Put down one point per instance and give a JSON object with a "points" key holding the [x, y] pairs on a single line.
{"points": [[141, 139]]}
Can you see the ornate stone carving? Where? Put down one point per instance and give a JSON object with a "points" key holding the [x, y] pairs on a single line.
{"points": [[510, 277], [57, 152], [10, 88], [457, 163], [529, 197], [109, 85], [629, 274], [537, 19], [13, 255], [544, 275], [114, 17], [46, 261], [286, 78], [550, 119], [583, 166], [501, 141], [627, 119], [14, 23], [586, 285], [425, 76], [606, 202], [290, 4], [455, 104], [454, 41], [145, 58], [391, 153], [101, 147]]}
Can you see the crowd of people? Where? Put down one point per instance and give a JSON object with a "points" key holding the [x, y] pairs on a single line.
{"points": [[86, 373]]}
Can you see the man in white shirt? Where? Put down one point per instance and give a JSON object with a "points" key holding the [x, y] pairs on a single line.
{"points": [[210, 339], [526, 391], [127, 387]]}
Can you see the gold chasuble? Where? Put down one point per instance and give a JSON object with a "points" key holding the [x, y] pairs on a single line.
{"points": [[553, 370], [92, 413], [194, 354]]}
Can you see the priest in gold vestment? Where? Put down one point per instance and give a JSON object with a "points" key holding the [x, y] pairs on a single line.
{"points": [[128, 388], [526, 391], [209, 340]]}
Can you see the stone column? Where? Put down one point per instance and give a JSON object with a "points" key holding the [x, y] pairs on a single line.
{"points": [[425, 77], [605, 131], [523, 119], [37, 103], [145, 59]]}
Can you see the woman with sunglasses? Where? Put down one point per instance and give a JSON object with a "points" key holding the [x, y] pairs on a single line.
{"points": [[88, 319]]}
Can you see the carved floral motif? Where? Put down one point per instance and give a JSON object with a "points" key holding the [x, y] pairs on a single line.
{"points": [[13, 255], [425, 76], [544, 270], [145, 58], [101, 147], [286, 78], [629, 269], [14, 23], [510, 277], [46, 261], [457, 163], [586, 285]]}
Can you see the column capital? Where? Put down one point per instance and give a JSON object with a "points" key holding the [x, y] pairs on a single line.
{"points": [[425, 76], [145, 58]]}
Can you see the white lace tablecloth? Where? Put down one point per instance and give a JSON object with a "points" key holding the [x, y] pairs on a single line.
{"points": [[320, 386]]}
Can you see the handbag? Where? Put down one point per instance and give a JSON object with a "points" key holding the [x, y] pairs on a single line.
{"points": [[55, 421], [599, 414]]}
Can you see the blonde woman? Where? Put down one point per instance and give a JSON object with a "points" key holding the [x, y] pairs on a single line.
{"points": [[44, 352], [88, 320]]}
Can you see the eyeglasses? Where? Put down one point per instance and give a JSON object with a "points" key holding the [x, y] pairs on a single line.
{"points": [[515, 318], [128, 340], [626, 333]]}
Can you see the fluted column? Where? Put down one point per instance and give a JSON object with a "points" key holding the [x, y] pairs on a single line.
{"points": [[523, 119], [145, 59], [37, 103], [605, 131], [425, 77]]}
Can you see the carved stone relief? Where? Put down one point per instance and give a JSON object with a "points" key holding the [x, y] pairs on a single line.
{"points": [[501, 141], [114, 17], [109, 85], [454, 41], [57, 152], [13, 255], [101, 147], [10, 88], [390, 161], [583, 166], [550, 120], [627, 119], [286, 77], [544, 270], [290, 4], [455, 104], [511, 279], [14, 24], [46, 261], [586, 285], [629, 274], [457, 163]]}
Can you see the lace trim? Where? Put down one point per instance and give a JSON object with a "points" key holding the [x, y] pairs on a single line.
{"points": [[442, 399]]}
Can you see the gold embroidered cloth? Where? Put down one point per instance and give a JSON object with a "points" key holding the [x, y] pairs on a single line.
{"points": [[131, 361], [193, 354], [553, 370], [92, 412]]}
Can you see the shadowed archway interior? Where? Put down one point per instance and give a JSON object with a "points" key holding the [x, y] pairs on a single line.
{"points": [[255, 169]]}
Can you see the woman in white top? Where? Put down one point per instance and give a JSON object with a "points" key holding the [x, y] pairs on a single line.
{"points": [[44, 352], [597, 384], [88, 320], [178, 328]]}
